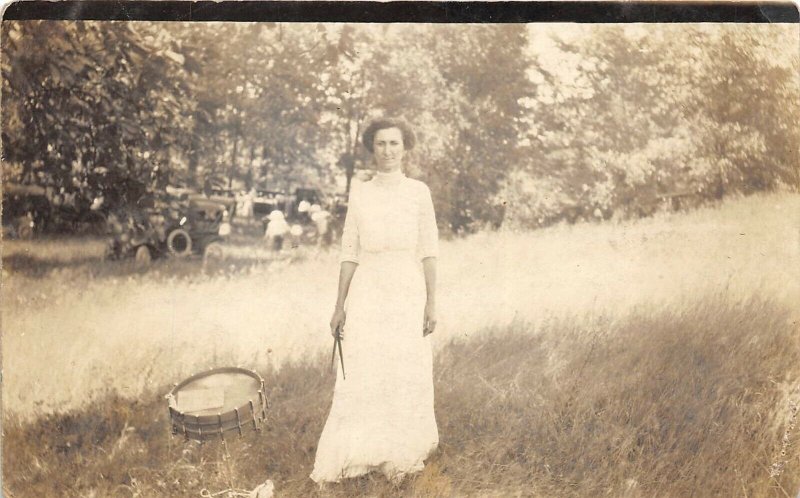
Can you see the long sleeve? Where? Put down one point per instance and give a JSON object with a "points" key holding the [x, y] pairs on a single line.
{"points": [[428, 238], [350, 238]]}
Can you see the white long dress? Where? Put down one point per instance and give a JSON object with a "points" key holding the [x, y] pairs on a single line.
{"points": [[382, 414]]}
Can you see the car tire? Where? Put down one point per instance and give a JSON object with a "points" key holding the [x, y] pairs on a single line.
{"points": [[179, 243], [25, 231], [143, 257]]}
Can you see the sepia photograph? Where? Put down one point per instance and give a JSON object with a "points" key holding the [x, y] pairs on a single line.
{"points": [[400, 259]]}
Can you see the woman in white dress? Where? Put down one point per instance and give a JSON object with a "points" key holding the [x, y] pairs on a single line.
{"points": [[382, 414]]}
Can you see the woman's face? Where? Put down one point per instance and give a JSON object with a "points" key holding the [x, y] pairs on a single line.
{"points": [[388, 149]]}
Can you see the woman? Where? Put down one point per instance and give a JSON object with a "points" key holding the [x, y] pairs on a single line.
{"points": [[382, 413]]}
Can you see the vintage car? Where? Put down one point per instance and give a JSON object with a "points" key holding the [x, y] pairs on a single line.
{"points": [[267, 201], [170, 226]]}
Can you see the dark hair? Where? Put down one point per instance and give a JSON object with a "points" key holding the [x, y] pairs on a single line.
{"points": [[368, 137]]}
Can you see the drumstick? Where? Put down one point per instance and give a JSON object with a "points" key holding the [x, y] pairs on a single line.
{"points": [[337, 341], [333, 353], [341, 355]]}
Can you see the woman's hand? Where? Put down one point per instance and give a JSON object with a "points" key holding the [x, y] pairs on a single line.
{"points": [[429, 322], [337, 322]]}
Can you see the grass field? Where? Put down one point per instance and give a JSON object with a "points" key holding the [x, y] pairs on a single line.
{"points": [[656, 358]]}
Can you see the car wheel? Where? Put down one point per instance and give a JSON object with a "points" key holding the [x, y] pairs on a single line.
{"points": [[25, 232], [143, 257], [179, 243]]}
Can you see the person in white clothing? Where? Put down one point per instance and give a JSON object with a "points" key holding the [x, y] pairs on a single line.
{"points": [[321, 218], [245, 206], [296, 234], [276, 230], [382, 416]]}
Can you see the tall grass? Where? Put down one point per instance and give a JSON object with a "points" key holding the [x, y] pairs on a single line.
{"points": [[654, 358], [681, 400], [74, 325]]}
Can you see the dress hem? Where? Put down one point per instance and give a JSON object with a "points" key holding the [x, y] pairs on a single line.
{"points": [[389, 469]]}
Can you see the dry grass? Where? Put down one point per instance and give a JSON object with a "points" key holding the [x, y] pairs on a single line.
{"points": [[74, 329], [648, 359], [684, 401]]}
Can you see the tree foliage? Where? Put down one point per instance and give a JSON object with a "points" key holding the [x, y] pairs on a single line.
{"points": [[462, 93], [626, 119], [684, 114], [259, 100], [89, 108]]}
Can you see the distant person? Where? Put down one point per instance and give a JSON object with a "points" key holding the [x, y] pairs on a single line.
{"points": [[321, 219], [382, 416], [304, 206], [246, 208], [296, 232], [277, 228], [285, 201]]}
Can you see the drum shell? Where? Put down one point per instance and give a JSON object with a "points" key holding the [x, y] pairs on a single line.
{"points": [[250, 415]]}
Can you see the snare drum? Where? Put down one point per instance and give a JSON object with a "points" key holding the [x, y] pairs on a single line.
{"points": [[209, 404]]}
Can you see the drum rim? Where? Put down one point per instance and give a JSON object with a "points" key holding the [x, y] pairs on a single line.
{"points": [[172, 394]]}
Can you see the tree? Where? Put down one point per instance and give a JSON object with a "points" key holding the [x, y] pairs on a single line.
{"points": [[682, 111], [259, 96], [461, 89], [751, 111], [73, 114], [488, 65], [265, 104]]}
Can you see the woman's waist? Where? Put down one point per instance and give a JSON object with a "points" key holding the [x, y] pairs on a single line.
{"points": [[398, 255], [389, 261], [380, 252]]}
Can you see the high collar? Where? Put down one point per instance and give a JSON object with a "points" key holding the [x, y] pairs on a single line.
{"points": [[390, 178]]}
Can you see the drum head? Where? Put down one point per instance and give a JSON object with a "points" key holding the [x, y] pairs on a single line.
{"points": [[221, 391]]}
